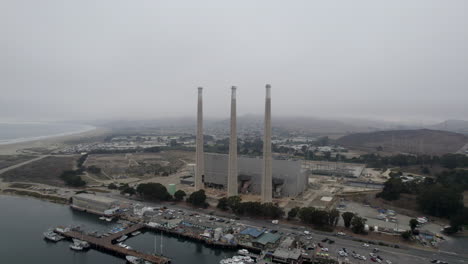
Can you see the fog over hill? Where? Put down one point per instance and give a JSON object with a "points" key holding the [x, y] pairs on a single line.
{"points": [[459, 126], [281, 124]]}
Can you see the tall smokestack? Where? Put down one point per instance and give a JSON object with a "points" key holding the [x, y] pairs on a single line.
{"points": [[232, 166], [267, 188], [200, 159]]}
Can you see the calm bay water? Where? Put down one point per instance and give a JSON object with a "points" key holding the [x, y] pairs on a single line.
{"points": [[23, 220]]}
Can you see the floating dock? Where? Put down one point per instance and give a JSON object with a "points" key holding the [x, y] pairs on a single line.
{"points": [[105, 244]]}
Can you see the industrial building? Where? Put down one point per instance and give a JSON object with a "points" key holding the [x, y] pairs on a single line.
{"points": [[289, 179], [338, 169], [267, 177], [96, 204]]}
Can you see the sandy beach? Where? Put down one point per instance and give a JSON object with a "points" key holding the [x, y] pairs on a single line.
{"points": [[49, 143]]}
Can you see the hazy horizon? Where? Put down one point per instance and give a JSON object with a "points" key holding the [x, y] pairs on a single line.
{"points": [[109, 60]]}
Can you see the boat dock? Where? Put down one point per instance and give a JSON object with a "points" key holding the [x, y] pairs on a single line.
{"points": [[105, 244]]}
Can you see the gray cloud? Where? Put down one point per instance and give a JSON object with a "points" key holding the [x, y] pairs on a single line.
{"points": [[140, 59]]}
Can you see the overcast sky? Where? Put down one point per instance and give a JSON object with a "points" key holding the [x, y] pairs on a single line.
{"points": [[91, 59]]}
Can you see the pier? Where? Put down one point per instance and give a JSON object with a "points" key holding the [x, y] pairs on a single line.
{"points": [[105, 244]]}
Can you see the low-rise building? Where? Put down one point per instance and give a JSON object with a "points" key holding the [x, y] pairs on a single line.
{"points": [[95, 204], [266, 240]]}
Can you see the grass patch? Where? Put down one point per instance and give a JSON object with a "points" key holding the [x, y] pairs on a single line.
{"points": [[20, 185], [97, 190], [51, 198], [46, 170]]}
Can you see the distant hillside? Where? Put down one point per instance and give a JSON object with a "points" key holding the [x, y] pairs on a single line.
{"points": [[458, 126], [302, 125], [426, 141]]}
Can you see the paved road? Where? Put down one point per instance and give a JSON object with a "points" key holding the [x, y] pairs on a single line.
{"points": [[402, 255]]}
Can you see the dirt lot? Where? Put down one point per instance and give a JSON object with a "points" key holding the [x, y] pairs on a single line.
{"points": [[46, 170], [140, 165]]}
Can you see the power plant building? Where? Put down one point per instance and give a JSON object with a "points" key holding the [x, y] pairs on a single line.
{"points": [[289, 179]]}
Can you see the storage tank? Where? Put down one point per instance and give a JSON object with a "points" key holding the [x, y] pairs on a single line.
{"points": [[171, 189]]}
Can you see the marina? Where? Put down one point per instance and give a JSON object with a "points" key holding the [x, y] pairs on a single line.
{"points": [[39, 216], [106, 244]]}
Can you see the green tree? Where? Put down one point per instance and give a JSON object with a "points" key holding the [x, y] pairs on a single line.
{"points": [[112, 186], [333, 217], [413, 224], [449, 161], [223, 204], [293, 212], [233, 203], [358, 224], [73, 178], [406, 235], [458, 220], [179, 195], [347, 217], [271, 210], [153, 191], [440, 201], [128, 190], [392, 189], [198, 198]]}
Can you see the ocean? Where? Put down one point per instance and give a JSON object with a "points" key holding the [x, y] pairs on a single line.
{"points": [[21, 132]]}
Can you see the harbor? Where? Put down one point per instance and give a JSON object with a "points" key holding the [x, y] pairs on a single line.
{"points": [[107, 244], [28, 219], [260, 245]]}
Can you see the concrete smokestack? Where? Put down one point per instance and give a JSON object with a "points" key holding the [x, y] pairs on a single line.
{"points": [[200, 157], [232, 165], [267, 188]]}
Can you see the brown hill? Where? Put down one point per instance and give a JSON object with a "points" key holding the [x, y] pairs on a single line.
{"points": [[419, 141]]}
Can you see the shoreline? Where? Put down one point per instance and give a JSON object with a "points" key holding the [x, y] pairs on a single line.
{"points": [[51, 142], [30, 139], [63, 201], [34, 195]]}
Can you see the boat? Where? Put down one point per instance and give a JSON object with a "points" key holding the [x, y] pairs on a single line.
{"points": [[135, 260], [243, 252], [136, 233], [122, 238], [109, 219], [76, 247], [237, 260], [102, 218], [51, 236], [124, 246], [80, 243]]}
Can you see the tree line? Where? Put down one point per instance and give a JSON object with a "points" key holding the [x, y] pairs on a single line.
{"points": [[441, 196], [158, 192], [252, 209]]}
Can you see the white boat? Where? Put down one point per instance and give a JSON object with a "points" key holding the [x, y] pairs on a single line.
{"points": [[135, 260], [51, 236], [243, 252], [124, 246], [136, 233], [80, 243], [238, 260], [122, 238], [76, 247], [102, 218]]}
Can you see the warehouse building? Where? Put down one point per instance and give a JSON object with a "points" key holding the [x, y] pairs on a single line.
{"points": [[289, 179], [95, 204]]}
